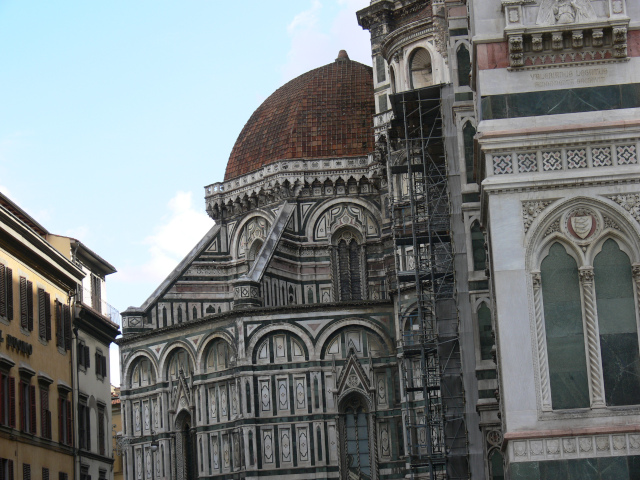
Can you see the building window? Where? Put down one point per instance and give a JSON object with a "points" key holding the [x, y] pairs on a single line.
{"points": [[6, 292], [599, 298], [564, 329], [421, 69], [27, 401], [496, 465], [45, 413], [142, 374], [84, 473], [6, 469], [7, 400], [44, 315], [356, 435], [477, 247], [26, 304], [26, 471], [63, 326], [101, 431], [63, 476], [45, 473], [96, 293], [392, 74], [380, 69], [617, 325], [468, 133], [65, 425], [84, 426], [101, 365], [464, 66], [485, 332], [349, 270], [83, 355]]}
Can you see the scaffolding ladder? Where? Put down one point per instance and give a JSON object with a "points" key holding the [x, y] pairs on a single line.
{"points": [[431, 371]]}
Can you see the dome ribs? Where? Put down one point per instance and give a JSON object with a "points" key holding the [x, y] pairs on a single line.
{"points": [[327, 112]]}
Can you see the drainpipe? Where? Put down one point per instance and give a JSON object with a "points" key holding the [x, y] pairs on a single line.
{"points": [[75, 382]]}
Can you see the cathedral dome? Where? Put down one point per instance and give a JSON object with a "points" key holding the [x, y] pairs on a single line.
{"points": [[326, 112]]}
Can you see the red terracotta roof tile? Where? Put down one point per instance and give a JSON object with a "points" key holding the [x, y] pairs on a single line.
{"points": [[326, 112]]}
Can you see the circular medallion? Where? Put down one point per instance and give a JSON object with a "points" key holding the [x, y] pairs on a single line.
{"points": [[582, 225]]}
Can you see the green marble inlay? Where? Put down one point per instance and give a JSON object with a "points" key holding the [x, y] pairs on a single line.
{"points": [[572, 100], [565, 335], [617, 468]]}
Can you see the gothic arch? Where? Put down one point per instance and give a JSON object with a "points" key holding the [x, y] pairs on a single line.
{"points": [[538, 239], [168, 351], [328, 332], [206, 343], [286, 327], [262, 213], [127, 370], [322, 208]]}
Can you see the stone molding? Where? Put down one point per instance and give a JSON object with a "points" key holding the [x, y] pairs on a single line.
{"points": [[573, 447]]}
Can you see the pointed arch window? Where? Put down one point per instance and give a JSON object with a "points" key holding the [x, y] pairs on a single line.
{"points": [[477, 246], [468, 133], [485, 332], [421, 69], [618, 325], [349, 269], [564, 330], [356, 435], [598, 299], [464, 66]]}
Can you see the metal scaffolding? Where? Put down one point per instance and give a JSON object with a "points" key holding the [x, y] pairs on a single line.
{"points": [[433, 393]]}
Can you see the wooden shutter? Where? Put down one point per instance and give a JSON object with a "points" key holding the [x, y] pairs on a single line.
{"points": [[3, 292], [67, 327], [42, 327], [101, 448], [87, 356], [10, 468], [80, 354], [44, 409], [60, 420], [59, 330], [81, 426], [29, 306], [26, 471], [32, 409], [9, 294], [97, 360], [12, 402], [104, 366], [3, 420], [23, 404], [69, 424], [45, 473], [23, 303], [47, 315]]}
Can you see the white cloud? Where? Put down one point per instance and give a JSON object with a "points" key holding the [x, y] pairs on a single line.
{"points": [[178, 232], [317, 37]]}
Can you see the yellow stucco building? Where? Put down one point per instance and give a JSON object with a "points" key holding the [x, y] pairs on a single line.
{"points": [[36, 285]]}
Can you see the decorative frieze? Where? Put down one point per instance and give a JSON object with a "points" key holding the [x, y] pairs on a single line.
{"points": [[587, 446], [531, 211], [566, 159]]}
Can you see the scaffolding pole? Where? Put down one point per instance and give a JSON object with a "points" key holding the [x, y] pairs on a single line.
{"points": [[431, 371]]}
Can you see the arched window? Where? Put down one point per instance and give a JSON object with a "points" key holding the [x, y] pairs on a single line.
{"points": [[468, 132], [195, 313], [180, 361], [356, 428], [564, 329], [618, 325], [464, 66], [164, 316], [485, 332], [219, 356], [142, 374], [349, 269], [179, 313], [477, 246], [421, 69]]}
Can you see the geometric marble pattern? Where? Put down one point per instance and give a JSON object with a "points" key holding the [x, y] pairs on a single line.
{"points": [[577, 158], [551, 161], [601, 157], [502, 164], [627, 154], [527, 162]]}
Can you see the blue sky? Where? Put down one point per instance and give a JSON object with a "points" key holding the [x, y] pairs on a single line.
{"points": [[114, 114]]}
